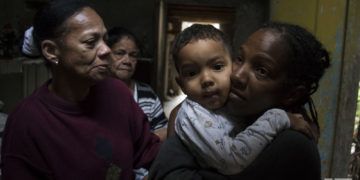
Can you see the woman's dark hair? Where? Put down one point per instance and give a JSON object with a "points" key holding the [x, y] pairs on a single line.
{"points": [[307, 61], [198, 32], [117, 33], [48, 22]]}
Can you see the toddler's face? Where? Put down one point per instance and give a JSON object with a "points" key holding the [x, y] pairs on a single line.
{"points": [[204, 72]]}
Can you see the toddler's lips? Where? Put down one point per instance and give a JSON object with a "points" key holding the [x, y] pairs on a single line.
{"points": [[210, 94]]}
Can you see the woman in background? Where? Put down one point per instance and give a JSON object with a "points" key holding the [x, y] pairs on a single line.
{"points": [[126, 51]]}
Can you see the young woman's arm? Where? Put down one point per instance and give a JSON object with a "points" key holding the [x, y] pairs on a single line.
{"points": [[171, 123], [176, 162]]}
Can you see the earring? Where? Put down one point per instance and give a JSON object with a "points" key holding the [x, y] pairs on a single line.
{"points": [[54, 61]]}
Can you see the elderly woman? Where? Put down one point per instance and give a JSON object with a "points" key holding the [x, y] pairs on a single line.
{"points": [[79, 124], [126, 51]]}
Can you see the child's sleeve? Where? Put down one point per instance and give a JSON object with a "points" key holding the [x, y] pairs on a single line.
{"points": [[242, 150], [208, 138]]}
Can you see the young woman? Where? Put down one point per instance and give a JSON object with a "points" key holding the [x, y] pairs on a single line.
{"points": [[202, 56], [279, 66]]}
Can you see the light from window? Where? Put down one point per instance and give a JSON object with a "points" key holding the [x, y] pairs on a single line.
{"points": [[186, 24]]}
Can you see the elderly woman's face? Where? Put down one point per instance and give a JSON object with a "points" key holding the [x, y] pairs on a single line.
{"points": [[82, 50], [257, 75], [124, 57]]}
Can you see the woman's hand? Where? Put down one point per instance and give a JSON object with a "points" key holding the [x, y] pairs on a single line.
{"points": [[298, 123]]}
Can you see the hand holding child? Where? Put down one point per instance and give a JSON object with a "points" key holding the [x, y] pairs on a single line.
{"points": [[298, 123]]}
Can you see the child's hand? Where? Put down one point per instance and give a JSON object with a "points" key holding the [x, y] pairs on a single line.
{"points": [[298, 123]]}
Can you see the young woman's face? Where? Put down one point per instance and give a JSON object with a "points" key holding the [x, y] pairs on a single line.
{"points": [[124, 57], [258, 73], [204, 72], [83, 52]]}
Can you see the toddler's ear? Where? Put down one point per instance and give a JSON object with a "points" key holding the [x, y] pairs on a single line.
{"points": [[293, 96]]}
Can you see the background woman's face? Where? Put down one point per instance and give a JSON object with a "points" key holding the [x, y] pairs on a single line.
{"points": [[83, 52], [124, 57], [258, 73]]}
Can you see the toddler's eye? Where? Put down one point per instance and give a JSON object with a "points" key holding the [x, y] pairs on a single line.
{"points": [[218, 66], [189, 73]]}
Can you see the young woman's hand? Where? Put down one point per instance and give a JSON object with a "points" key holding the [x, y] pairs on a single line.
{"points": [[298, 123]]}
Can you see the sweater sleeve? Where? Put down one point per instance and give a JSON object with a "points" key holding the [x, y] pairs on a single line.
{"points": [[20, 157], [146, 144]]}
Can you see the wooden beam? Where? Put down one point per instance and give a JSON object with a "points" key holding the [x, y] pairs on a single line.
{"points": [[348, 93]]}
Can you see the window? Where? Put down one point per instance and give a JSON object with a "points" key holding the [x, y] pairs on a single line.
{"points": [[186, 24]]}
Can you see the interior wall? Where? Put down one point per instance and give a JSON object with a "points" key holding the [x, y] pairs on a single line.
{"points": [[136, 15], [17, 13], [3, 5], [11, 93], [348, 94], [333, 24]]}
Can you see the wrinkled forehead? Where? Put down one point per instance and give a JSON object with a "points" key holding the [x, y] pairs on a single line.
{"points": [[86, 20]]}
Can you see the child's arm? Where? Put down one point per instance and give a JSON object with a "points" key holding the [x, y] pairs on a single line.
{"points": [[213, 145], [248, 144]]}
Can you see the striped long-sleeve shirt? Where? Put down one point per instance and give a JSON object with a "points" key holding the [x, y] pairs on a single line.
{"points": [[150, 103]]}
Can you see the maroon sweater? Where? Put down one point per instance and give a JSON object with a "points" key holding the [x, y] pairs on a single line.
{"points": [[105, 136]]}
